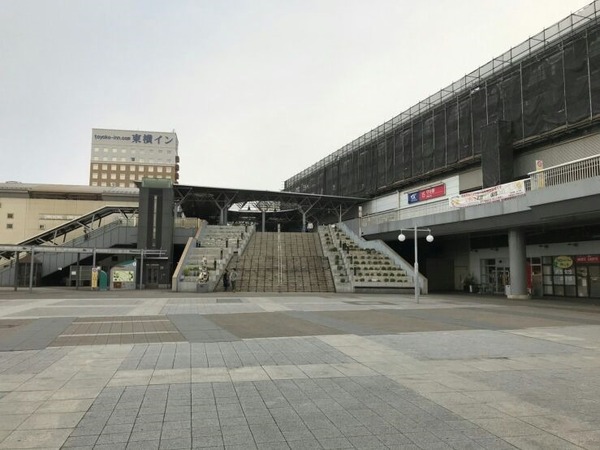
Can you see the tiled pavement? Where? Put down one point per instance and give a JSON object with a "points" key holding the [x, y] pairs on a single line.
{"points": [[157, 370]]}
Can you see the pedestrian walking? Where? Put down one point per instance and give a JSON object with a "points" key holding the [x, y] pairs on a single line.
{"points": [[233, 277], [225, 280]]}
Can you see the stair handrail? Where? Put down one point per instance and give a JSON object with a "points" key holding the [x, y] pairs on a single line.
{"points": [[382, 247]]}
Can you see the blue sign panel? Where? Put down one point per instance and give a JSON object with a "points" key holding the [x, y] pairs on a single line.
{"points": [[413, 197]]}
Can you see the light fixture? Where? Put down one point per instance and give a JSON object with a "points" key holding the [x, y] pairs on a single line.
{"points": [[429, 238]]}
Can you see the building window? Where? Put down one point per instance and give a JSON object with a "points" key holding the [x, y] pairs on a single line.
{"points": [[105, 150], [113, 176], [159, 169], [104, 176], [10, 216], [95, 166], [150, 169], [169, 169], [42, 227], [104, 183], [94, 175], [123, 167], [140, 168], [104, 166], [121, 176], [96, 149], [94, 183], [131, 184], [9, 226], [114, 150], [96, 158]]}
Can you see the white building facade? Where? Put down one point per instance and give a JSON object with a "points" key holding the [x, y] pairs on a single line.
{"points": [[119, 158]]}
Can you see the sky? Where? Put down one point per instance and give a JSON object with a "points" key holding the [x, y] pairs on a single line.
{"points": [[256, 90]]}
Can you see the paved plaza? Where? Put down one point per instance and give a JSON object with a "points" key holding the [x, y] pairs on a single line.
{"points": [[156, 369]]}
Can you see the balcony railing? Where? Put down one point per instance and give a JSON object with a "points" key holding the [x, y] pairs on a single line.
{"points": [[580, 169]]}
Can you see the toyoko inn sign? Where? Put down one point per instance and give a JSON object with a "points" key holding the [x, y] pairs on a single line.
{"points": [[107, 138]]}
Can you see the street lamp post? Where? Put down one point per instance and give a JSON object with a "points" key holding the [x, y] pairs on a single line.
{"points": [[429, 238]]}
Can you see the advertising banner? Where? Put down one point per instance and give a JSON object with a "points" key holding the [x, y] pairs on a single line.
{"points": [[489, 195]]}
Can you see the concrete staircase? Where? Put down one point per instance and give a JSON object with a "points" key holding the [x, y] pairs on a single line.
{"points": [[283, 262], [215, 246], [367, 267]]}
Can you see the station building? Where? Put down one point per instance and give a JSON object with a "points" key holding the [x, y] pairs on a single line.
{"points": [[501, 166]]}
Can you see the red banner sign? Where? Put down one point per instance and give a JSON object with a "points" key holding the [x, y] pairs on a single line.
{"points": [[427, 194], [588, 259]]}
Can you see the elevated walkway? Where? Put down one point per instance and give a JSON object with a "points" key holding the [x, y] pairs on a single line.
{"points": [[115, 237], [283, 262], [81, 226], [550, 198]]}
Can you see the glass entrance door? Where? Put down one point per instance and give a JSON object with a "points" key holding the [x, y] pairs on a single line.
{"points": [[500, 277], [152, 275], [594, 273]]}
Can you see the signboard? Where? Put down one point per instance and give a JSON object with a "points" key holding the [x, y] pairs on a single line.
{"points": [[142, 139], [493, 194], [122, 275], [94, 281], [563, 262], [427, 194], [58, 217], [588, 259]]}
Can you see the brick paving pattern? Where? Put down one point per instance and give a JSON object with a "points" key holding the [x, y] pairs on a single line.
{"points": [[86, 371]]}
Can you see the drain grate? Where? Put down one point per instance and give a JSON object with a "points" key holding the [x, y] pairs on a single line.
{"points": [[368, 302], [229, 300]]}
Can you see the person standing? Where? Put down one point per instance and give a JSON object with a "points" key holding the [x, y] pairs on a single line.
{"points": [[233, 278], [225, 280]]}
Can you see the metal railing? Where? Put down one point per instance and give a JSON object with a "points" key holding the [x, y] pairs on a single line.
{"points": [[406, 213], [580, 169]]}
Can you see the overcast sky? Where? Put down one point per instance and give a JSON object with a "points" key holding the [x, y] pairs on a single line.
{"points": [[256, 90]]}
